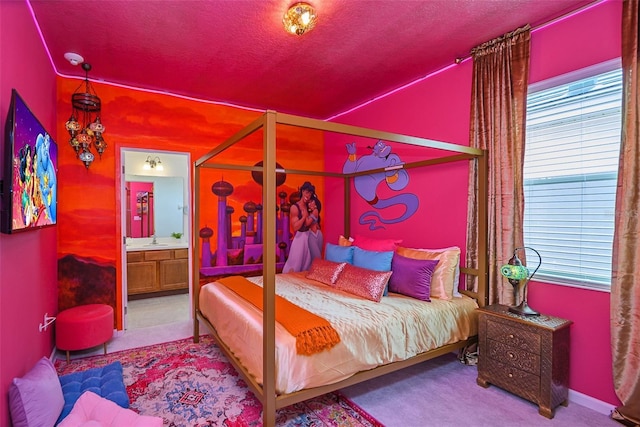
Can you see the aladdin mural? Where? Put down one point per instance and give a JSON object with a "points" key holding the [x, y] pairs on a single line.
{"points": [[241, 253], [366, 186]]}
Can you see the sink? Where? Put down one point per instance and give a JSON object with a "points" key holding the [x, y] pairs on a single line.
{"points": [[153, 245]]}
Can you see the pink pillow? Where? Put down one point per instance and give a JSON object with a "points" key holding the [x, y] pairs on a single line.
{"points": [[364, 283], [93, 410], [325, 271], [379, 245]]}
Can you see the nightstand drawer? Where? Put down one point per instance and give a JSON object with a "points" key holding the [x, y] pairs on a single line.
{"points": [[519, 382], [512, 356], [513, 336]]}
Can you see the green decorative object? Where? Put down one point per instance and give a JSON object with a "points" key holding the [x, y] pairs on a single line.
{"points": [[519, 275]]}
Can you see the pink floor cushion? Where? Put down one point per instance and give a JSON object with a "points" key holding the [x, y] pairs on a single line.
{"points": [[91, 410], [105, 381]]}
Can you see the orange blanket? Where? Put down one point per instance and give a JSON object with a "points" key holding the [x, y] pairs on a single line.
{"points": [[313, 333]]}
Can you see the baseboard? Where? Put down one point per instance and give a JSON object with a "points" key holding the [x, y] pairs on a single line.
{"points": [[591, 402], [52, 357]]}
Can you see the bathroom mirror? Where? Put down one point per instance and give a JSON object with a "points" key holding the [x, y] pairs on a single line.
{"points": [[155, 206]]}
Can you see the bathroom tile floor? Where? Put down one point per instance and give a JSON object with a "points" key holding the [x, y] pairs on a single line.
{"points": [[143, 313]]}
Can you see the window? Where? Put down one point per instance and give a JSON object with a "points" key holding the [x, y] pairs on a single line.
{"points": [[570, 177]]}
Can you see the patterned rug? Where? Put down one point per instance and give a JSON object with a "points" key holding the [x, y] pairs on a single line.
{"points": [[195, 385]]}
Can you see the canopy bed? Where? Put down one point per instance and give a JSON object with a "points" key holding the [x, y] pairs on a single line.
{"points": [[376, 335]]}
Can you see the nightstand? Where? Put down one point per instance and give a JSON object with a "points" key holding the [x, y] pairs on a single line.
{"points": [[525, 355]]}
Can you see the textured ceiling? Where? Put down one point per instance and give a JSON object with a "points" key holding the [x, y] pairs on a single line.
{"points": [[236, 51]]}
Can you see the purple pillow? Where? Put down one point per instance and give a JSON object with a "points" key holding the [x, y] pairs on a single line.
{"points": [[36, 399], [412, 277]]}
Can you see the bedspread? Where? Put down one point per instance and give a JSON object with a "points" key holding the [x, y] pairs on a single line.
{"points": [[371, 333]]}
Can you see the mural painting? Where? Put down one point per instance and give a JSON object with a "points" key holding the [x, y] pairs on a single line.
{"points": [[224, 252], [394, 177]]}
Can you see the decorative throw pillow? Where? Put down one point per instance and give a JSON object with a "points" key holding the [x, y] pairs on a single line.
{"points": [[372, 260], [412, 277], [325, 271], [337, 253], [371, 244], [444, 276], [36, 398], [364, 283], [93, 410], [343, 241], [105, 381]]}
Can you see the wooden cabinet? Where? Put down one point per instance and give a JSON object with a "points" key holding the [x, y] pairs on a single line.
{"points": [[525, 355], [157, 271]]}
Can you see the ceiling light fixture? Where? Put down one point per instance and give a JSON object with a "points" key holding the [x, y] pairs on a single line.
{"points": [[154, 163], [299, 18], [84, 125]]}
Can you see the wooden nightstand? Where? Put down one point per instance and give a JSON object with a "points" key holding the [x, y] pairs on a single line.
{"points": [[526, 355]]}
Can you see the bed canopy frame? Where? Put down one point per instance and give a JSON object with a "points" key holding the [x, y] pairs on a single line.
{"points": [[268, 122]]}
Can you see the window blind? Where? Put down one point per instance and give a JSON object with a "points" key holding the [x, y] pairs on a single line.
{"points": [[570, 177]]}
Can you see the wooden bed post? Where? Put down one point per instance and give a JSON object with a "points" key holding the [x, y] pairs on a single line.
{"points": [[347, 207], [269, 271], [196, 257]]}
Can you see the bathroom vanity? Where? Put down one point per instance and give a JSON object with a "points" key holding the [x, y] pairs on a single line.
{"points": [[157, 268]]}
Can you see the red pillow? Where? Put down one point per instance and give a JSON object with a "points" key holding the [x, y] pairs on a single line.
{"points": [[379, 245]]}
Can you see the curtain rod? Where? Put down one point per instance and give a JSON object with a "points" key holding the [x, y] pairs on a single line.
{"points": [[540, 26]]}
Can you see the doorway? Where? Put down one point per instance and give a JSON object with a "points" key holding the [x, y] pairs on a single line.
{"points": [[156, 237]]}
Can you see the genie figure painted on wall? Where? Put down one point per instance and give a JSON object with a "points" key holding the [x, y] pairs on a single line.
{"points": [[366, 186]]}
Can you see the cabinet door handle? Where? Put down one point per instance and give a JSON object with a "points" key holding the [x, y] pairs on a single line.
{"points": [[510, 375]]}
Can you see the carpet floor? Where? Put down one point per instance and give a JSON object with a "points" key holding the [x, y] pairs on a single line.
{"points": [[190, 384], [444, 392], [439, 392]]}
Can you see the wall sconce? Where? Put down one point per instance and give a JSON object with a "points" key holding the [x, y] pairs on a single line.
{"points": [[154, 163], [516, 273], [299, 18], [84, 125]]}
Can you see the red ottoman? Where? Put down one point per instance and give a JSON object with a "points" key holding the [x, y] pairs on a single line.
{"points": [[83, 327]]}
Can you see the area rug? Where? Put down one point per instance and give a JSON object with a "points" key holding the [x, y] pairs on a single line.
{"points": [[195, 385]]}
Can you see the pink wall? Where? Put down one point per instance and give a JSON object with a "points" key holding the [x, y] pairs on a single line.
{"points": [[28, 269], [438, 107]]}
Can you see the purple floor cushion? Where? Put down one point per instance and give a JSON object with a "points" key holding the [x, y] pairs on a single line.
{"points": [[105, 381], [36, 398]]}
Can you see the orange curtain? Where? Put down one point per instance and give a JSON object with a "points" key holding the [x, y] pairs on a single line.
{"points": [[499, 99], [625, 281]]}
